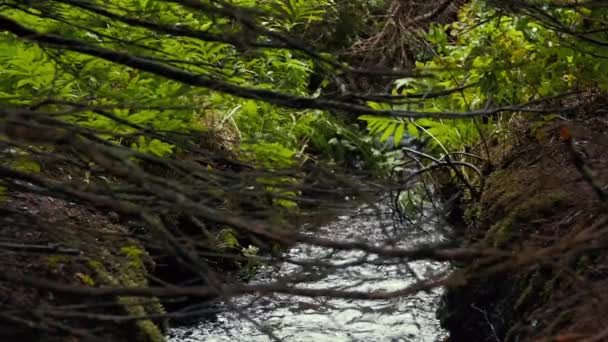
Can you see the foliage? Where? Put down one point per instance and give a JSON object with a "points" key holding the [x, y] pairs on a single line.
{"points": [[31, 73], [493, 59], [347, 22], [248, 269], [24, 164], [55, 260], [85, 279], [290, 15], [344, 144], [134, 253], [226, 238], [270, 154]]}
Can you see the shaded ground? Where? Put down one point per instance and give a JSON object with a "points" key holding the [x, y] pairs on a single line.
{"points": [[68, 243], [78, 245], [537, 198], [75, 245]]}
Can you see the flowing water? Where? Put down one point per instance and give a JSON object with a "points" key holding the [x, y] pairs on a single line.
{"points": [[291, 318]]}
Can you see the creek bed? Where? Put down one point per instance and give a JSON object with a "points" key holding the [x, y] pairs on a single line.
{"points": [[292, 318]]}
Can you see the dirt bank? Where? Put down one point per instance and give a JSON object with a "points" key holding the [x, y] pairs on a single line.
{"points": [[71, 244], [537, 198]]}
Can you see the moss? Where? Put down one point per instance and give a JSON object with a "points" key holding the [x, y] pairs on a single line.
{"points": [[85, 279], [524, 213], [95, 265], [536, 290], [533, 202], [146, 330], [544, 204], [227, 238], [548, 288], [472, 214], [155, 307], [134, 253], [130, 271], [503, 197], [55, 260]]}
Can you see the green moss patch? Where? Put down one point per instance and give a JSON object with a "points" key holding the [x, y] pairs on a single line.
{"points": [[129, 271]]}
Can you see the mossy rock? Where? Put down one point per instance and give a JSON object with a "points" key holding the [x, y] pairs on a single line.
{"points": [[129, 271]]}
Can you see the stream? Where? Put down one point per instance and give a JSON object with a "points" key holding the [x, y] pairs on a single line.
{"points": [[292, 318]]}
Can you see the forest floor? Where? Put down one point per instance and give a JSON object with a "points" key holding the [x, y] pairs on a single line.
{"points": [[52, 246], [72, 245], [536, 199]]}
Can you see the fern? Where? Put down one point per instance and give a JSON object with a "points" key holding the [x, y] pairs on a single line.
{"points": [[386, 127], [226, 238]]}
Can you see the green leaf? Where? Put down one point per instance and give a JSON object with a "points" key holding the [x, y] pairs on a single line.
{"points": [[250, 107], [160, 148], [412, 130], [383, 126], [426, 122], [399, 131], [226, 238], [143, 116], [388, 131], [378, 106]]}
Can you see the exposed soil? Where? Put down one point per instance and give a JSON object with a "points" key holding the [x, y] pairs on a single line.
{"points": [[537, 198]]}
